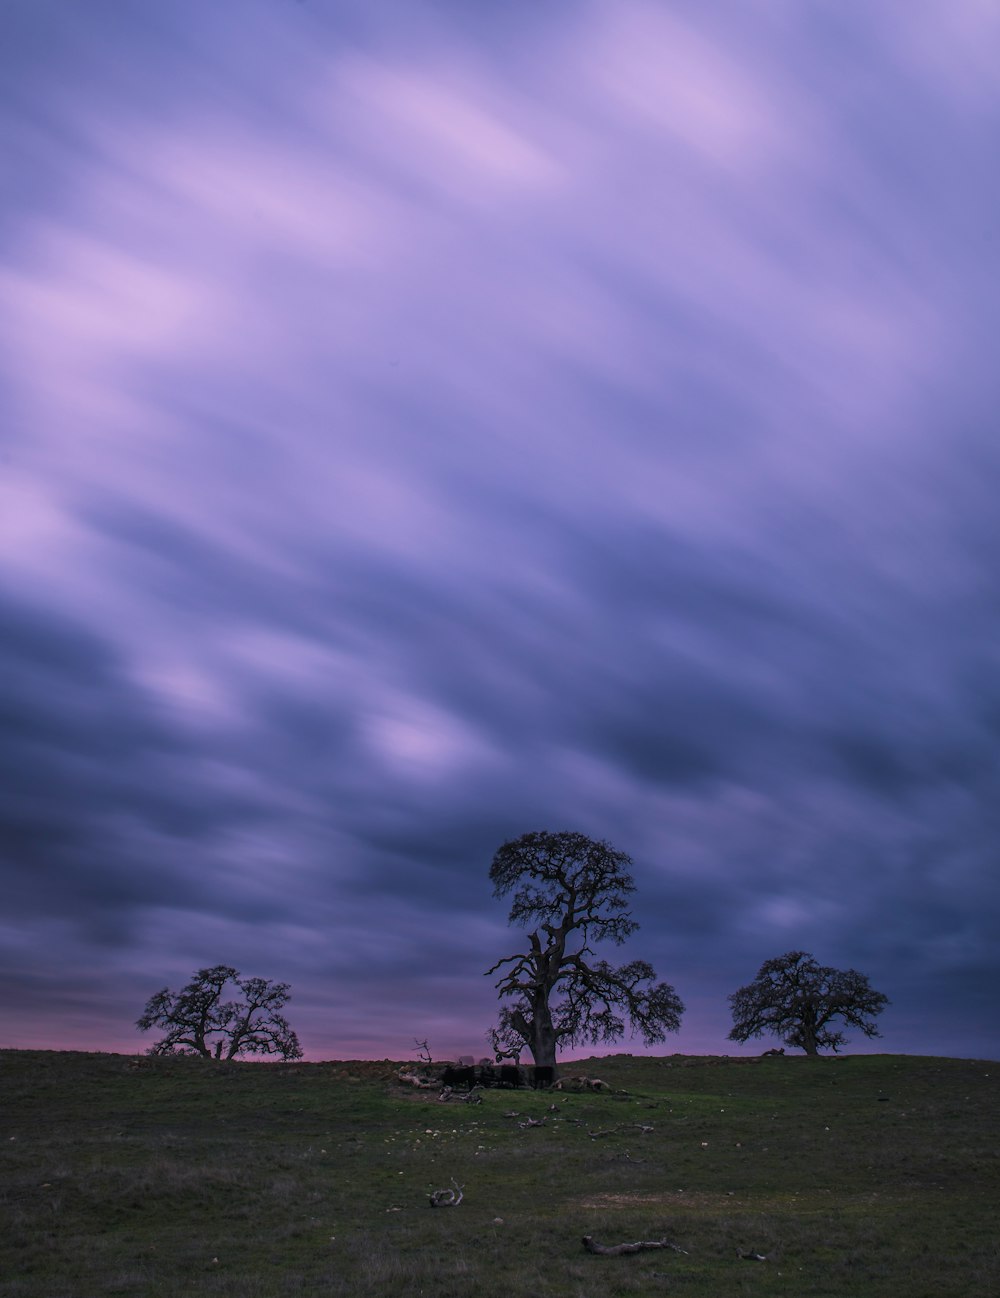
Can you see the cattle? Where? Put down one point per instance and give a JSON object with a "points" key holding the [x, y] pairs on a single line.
{"points": [[507, 1076], [464, 1076]]}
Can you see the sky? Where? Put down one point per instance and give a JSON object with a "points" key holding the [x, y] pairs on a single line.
{"points": [[423, 423]]}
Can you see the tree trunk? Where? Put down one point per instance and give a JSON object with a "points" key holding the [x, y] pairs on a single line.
{"points": [[542, 1037], [808, 1042]]}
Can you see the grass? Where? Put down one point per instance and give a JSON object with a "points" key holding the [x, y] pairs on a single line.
{"points": [[866, 1175]]}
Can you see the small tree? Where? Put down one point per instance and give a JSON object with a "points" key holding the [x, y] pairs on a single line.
{"points": [[199, 1022], [797, 999], [576, 889]]}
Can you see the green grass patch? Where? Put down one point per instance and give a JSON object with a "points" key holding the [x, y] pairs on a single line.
{"points": [[867, 1175]]}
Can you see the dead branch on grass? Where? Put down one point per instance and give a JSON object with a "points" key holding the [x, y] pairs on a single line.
{"points": [[621, 1250], [446, 1198], [475, 1096], [421, 1083], [580, 1083]]}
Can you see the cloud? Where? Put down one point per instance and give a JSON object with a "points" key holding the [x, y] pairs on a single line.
{"points": [[426, 427]]}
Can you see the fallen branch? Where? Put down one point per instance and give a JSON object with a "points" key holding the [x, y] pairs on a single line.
{"points": [[580, 1084], [422, 1083], [446, 1198], [619, 1250], [475, 1096]]}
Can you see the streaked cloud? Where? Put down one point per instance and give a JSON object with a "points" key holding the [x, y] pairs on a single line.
{"points": [[425, 426]]}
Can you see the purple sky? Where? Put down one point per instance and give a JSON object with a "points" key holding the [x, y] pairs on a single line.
{"points": [[425, 423]]}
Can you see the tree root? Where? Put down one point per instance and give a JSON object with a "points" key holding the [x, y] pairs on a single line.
{"points": [[619, 1250]]}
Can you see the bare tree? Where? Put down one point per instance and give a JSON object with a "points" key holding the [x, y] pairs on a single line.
{"points": [[797, 999], [576, 890], [199, 1022]]}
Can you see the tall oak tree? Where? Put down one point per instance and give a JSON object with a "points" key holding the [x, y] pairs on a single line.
{"points": [[555, 992]]}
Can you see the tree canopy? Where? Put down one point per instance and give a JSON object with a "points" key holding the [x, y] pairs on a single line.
{"points": [[199, 1022], [575, 890], [797, 999]]}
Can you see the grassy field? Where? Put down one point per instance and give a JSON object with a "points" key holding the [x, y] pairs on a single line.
{"points": [[865, 1175]]}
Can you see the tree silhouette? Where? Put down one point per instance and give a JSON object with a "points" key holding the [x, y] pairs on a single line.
{"points": [[797, 999], [576, 890], [199, 1022]]}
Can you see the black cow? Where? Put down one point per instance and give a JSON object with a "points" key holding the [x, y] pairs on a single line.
{"points": [[453, 1077], [510, 1075], [545, 1075]]}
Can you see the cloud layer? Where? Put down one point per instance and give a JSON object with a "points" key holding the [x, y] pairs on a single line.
{"points": [[427, 426]]}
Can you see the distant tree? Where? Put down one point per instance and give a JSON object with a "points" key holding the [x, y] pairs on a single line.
{"points": [[199, 1022], [797, 999], [576, 890]]}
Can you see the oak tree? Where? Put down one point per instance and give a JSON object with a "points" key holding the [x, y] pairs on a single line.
{"points": [[797, 1000], [199, 1022], [575, 892]]}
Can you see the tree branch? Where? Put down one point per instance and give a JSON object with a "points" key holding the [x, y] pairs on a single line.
{"points": [[619, 1250]]}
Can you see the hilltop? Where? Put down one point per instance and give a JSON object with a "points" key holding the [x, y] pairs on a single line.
{"points": [[856, 1175]]}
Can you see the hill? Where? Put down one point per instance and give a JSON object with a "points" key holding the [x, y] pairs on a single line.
{"points": [[864, 1175]]}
